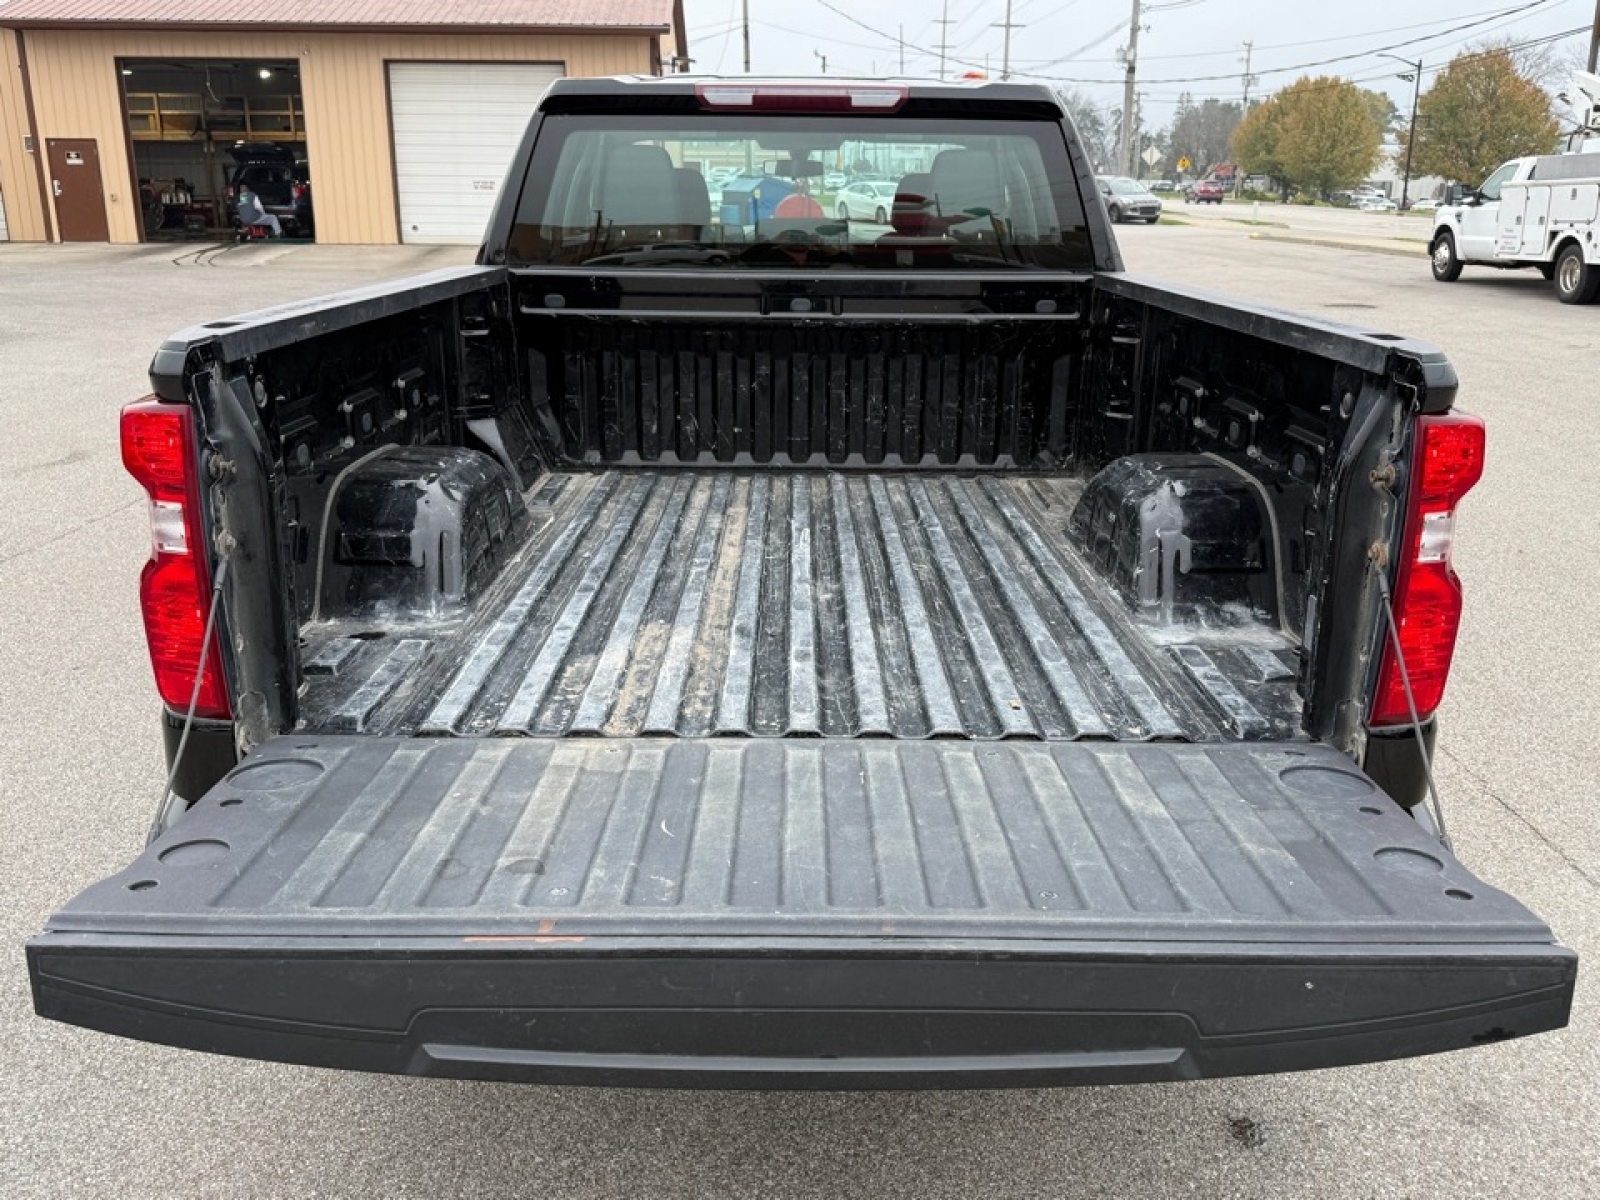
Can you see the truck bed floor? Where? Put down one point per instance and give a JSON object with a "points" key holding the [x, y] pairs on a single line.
{"points": [[697, 604]]}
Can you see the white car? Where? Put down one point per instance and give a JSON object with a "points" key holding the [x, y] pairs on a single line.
{"points": [[1424, 206], [833, 181], [866, 201], [1376, 204]]}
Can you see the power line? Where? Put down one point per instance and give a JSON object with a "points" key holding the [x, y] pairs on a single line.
{"points": [[1324, 62], [1055, 78], [1489, 52], [1343, 37], [733, 23]]}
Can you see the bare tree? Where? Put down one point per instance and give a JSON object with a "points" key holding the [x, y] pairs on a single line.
{"points": [[1097, 127]]}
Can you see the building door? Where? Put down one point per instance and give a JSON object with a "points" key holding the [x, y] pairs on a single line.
{"points": [[80, 196], [456, 127]]}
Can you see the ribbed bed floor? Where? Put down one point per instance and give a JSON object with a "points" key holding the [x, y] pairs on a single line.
{"points": [[801, 604]]}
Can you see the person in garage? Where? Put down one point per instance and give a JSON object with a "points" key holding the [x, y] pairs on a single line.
{"points": [[251, 213]]}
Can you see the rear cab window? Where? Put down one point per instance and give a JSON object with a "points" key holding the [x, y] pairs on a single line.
{"points": [[720, 189]]}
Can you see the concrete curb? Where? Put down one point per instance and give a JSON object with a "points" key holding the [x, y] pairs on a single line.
{"points": [[1419, 250]]}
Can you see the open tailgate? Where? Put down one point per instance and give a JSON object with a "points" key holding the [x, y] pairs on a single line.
{"points": [[800, 913]]}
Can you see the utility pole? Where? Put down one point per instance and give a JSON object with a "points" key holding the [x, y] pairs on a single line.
{"points": [[902, 51], [1125, 150], [747, 37], [1005, 58], [823, 58], [1594, 40], [1414, 76], [1244, 110], [944, 35]]}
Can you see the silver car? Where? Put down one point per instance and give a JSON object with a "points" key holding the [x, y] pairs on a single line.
{"points": [[1128, 200]]}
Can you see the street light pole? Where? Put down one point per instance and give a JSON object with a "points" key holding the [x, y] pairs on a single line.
{"points": [[1411, 136]]}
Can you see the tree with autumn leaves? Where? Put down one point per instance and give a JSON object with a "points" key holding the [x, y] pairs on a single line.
{"points": [[1480, 112], [1320, 135], [1316, 135]]}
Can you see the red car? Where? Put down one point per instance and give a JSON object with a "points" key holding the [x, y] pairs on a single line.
{"points": [[1204, 191]]}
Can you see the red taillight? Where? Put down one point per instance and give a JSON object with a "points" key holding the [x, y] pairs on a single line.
{"points": [[1427, 595], [298, 192], [803, 97], [175, 590]]}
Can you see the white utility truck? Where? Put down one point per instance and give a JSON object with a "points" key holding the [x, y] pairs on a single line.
{"points": [[1539, 212]]}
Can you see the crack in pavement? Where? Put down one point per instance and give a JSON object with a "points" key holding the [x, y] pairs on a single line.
{"points": [[1553, 846], [66, 533]]}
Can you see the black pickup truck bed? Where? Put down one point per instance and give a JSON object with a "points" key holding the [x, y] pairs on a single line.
{"points": [[846, 913], [904, 605], [687, 649]]}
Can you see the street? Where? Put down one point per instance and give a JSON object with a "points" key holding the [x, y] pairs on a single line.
{"points": [[82, 1114]]}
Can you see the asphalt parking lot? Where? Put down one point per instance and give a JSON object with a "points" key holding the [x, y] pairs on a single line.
{"points": [[86, 1115]]}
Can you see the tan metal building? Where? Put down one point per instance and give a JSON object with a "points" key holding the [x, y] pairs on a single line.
{"points": [[390, 120]]}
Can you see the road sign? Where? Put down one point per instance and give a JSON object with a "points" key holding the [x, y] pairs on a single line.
{"points": [[1151, 156], [1184, 164]]}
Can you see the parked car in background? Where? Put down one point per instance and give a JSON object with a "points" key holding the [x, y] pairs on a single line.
{"points": [[1357, 196], [1377, 204], [865, 200], [1423, 206], [1163, 185], [1204, 191], [834, 180], [281, 183], [1128, 200]]}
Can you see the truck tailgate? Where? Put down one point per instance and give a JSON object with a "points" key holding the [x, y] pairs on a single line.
{"points": [[764, 912]]}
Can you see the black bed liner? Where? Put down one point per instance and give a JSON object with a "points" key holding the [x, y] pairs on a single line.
{"points": [[695, 603], [800, 912]]}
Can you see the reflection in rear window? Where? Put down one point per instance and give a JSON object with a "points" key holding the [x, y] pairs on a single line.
{"points": [[766, 190]]}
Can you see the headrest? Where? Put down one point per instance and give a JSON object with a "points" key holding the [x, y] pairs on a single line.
{"points": [[967, 182], [639, 187], [694, 200], [913, 204]]}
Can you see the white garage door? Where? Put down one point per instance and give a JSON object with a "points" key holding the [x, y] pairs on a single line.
{"points": [[456, 127]]}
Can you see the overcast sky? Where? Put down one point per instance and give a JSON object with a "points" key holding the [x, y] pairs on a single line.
{"points": [[1076, 42]]}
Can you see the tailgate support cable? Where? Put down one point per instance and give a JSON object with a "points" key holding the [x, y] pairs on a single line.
{"points": [[1411, 701], [160, 822]]}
